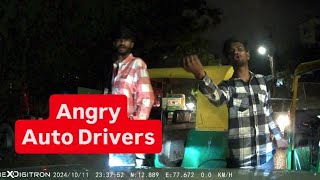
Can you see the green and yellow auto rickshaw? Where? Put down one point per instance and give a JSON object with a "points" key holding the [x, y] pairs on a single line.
{"points": [[196, 136], [202, 142], [304, 130]]}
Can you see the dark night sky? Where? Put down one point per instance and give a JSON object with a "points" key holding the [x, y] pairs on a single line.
{"points": [[255, 20]]}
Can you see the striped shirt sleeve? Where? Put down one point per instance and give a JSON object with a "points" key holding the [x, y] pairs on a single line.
{"points": [[269, 115], [217, 95]]}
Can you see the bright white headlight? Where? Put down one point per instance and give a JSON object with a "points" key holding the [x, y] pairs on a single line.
{"points": [[283, 121], [190, 106]]}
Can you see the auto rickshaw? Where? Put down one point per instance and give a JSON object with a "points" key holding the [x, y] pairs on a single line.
{"points": [[206, 142], [197, 143], [304, 131], [202, 142]]}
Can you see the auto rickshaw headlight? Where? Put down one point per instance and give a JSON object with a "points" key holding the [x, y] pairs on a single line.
{"points": [[190, 106]]}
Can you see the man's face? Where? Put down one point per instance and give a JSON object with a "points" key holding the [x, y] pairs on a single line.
{"points": [[238, 55], [123, 46]]}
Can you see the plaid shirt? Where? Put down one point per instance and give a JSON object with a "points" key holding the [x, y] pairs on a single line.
{"points": [[130, 77], [250, 118]]}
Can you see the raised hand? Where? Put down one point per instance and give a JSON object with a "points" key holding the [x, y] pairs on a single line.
{"points": [[193, 65]]}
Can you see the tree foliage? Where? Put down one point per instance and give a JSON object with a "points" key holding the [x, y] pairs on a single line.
{"points": [[167, 30], [45, 42]]}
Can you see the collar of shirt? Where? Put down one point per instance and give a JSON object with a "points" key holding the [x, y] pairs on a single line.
{"points": [[125, 61], [234, 77]]}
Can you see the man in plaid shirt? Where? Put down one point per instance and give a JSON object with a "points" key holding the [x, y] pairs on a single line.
{"points": [[250, 112], [130, 77]]}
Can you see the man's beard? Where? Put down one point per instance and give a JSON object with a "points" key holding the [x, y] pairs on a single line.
{"points": [[124, 53], [237, 63]]}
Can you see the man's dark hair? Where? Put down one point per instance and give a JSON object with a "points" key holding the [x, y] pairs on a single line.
{"points": [[228, 42], [123, 32]]}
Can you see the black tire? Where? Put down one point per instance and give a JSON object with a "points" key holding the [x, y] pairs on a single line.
{"points": [[6, 141]]}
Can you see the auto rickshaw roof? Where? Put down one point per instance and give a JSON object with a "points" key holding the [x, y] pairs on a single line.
{"points": [[307, 67], [217, 73]]}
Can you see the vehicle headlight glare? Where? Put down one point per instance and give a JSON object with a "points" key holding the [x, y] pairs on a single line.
{"points": [[283, 121]]}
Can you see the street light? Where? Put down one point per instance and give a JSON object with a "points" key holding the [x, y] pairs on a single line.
{"points": [[263, 51]]}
